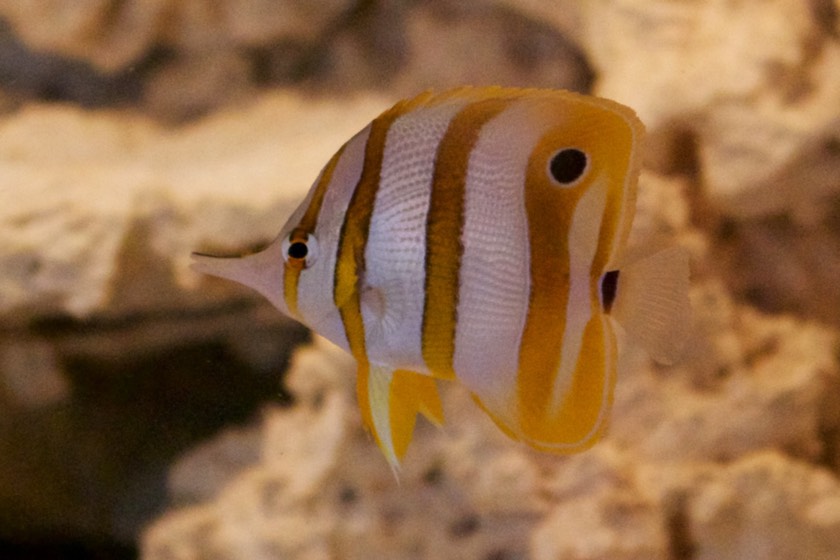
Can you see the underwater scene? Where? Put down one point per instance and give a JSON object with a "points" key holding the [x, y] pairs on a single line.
{"points": [[522, 279]]}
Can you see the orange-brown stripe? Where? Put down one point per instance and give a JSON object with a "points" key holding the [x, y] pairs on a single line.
{"points": [[304, 228], [608, 139], [350, 260], [444, 226], [550, 211]]}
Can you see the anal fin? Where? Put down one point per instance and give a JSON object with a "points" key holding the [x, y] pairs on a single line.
{"points": [[390, 401]]}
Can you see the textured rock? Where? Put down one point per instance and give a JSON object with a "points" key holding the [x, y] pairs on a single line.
{"points": [[148, 53], [772, 380], [739, 43], [112, 34], [601, 496], [102, 323], [226, 182], [679, 438], [767, 495], [114, 357], [757, 82], [31, 374], [316, 491], [91, 29], [497, 47]]}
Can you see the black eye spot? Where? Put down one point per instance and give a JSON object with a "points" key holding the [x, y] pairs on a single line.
{"points": [[298, 250], [567, 165]]}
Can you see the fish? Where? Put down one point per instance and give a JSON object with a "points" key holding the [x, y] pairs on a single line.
{"points": [[479, 236]]}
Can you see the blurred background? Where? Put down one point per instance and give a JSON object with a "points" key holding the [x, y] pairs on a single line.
{"points": [[147, 412]]}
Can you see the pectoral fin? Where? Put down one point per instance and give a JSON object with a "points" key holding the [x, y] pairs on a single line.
{"points": [[390, 401], [651, 302]]}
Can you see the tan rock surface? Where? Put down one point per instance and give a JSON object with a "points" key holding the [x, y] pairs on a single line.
{"points": [[112, 34], [99, 212], [732, 513], [76, 184], [683, 441], [757, 82]]}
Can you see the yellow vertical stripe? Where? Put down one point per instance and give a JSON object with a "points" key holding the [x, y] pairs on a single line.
{"points": [[583, 415], [350, 263], [549, 212], [305, 227], [350, 259], [608, 140], [363, 398], [444, 226]]}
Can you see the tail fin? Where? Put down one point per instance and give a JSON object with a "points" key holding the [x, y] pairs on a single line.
{"points": [[651, 303]]}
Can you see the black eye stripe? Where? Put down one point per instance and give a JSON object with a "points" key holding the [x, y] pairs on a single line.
{"points": [[298, 250], [568, 165]]}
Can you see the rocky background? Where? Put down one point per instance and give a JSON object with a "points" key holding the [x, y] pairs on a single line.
{"points": [[145, 411]]}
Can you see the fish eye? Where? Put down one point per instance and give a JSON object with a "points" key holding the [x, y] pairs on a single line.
{"points": [[300, 249], [567, 166]]}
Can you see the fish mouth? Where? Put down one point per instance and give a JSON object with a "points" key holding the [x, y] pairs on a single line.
{"points": [[262, 271]]}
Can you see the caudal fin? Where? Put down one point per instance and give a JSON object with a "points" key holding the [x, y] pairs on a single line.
{"points": [[651, 303]]}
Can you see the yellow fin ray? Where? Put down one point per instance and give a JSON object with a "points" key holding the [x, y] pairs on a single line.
{"points": [[412, 393], [390, 401]]}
